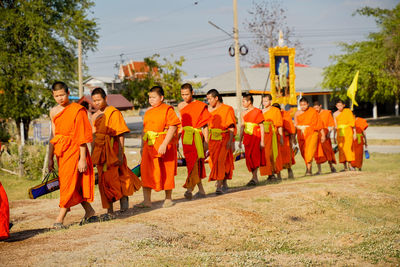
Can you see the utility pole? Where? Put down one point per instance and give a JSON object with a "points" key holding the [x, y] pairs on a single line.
{"points": [[237, 64], [80, 82]]}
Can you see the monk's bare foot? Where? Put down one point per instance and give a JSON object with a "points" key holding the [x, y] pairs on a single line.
{"points": [[333, 170], [199, 195], [351, 169], [251, 183], [317, 173], [308, 173], [278, 176], [168, 203], [58, 226], [219, 191], [143, 205], [271, 177], [124, 204], [90, 213]]}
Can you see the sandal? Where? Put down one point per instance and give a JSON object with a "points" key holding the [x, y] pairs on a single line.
{"points": [[168, 204], [91, 219], [188, 195], [251, 183], [219, 191], [59, 226], [199, 195]]}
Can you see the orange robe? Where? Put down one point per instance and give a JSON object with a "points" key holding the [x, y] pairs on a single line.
{"points": [[345, 122], [358, 144], [221, 158], [4, 214], [308, 125], [194, 115], [324, 150], [114, 181], [158, 171], [72, 129], [287, 153], [272, 121], [251, 140]]}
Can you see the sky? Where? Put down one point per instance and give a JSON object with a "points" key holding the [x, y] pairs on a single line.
{"points": [[135, 29]]}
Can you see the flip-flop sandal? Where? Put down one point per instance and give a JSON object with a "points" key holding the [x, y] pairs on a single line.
{"points": [[199, 195], [142, 206], [251, 183], [219, 192], [59, 226], [106, 217], [188, 195], [168, 204], [10, 225], [91, 219]]}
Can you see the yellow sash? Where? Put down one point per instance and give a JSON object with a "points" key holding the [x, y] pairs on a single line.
{"points": [[341, 129], [198, 142], [249, 127], [151, 137], [216, 134], [359, 135], [274, 138]]}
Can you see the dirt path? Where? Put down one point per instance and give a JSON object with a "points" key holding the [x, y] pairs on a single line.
{"points": [[268, 224]]}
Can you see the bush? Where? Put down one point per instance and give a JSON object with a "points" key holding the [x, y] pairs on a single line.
{"points": [[4, 134], [33, 157]]}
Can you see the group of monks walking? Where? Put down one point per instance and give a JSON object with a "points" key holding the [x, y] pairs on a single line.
{"points": [[207, 134]]}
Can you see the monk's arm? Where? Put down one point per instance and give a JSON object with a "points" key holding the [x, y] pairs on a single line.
{"points": [[121, 140], [323, 137], [82, 165], [262, 144], [204, 130], [230, 144], [141, 144], [170, 134], [280, 131], [241, 131], [365, 138]]}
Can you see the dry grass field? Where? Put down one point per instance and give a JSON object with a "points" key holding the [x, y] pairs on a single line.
{"points": [[341, 219]]}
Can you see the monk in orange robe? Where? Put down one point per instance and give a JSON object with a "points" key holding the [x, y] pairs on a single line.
{"points": [[194, 117], [221, 142], [116, 180], [159, 148], [273, 139], [308, 125], [71, 131], [360, 142], [252, 136], [4, 214], [346, 133], [286, 150], [324, 150]]}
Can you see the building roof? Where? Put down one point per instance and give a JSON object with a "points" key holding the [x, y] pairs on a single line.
{"points": [[135, 70], [308, 81], [103, 79], [116, 100]]}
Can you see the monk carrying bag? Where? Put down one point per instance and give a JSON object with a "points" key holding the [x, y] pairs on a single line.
{"points": [[50, 183]]}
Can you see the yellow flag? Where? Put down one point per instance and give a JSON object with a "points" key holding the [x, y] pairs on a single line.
{"points": [[351, 92]]}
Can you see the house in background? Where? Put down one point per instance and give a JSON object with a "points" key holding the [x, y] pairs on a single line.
{"points": [[109, 84], [135, 70]]}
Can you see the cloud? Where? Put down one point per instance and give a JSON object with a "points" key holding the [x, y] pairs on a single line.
{"points": [[142, 19]]}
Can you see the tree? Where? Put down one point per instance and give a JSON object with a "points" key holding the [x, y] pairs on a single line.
{"points": [[169, 77], [377, 59], [38, 41], [267, 19]]}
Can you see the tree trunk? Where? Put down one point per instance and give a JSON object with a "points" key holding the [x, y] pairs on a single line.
{"points": [[27, 122]]}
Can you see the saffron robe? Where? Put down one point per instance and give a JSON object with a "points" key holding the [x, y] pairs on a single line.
{"points": [[221, 158], [115, 181], [273, 161], [4, 214], [324, 150], [195, 115], [358, 144], [252, 139], [158, 171], [345, 122], [287, 153], [308, 125], [72, 129]]}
